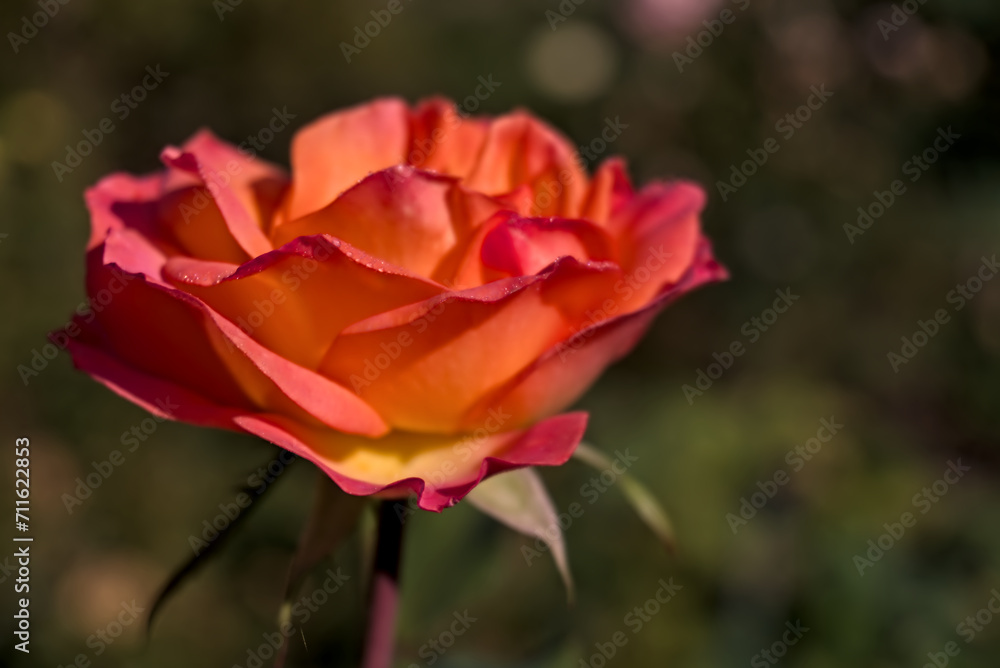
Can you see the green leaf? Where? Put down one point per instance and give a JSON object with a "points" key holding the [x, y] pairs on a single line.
{"points": [[519, 499], [641, 499]]}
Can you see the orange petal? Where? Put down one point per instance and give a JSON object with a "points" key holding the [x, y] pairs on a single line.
{"points": [[520, 150], [659, 232], [609, 191], [333, 153], [443, 141], [400, 215], [296, 300], [563, 373], [423, 366], [243, 188], [170, 335]]}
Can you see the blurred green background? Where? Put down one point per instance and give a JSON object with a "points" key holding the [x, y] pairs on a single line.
{"points": [[231, 63]]}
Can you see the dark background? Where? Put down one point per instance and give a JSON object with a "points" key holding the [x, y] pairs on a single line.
{"points": [[784, 229]]}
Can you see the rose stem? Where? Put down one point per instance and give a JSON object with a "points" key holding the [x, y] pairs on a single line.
{"points": [[384, 603]]}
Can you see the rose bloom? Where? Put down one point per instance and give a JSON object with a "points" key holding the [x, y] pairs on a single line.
{"points": [[410, 309]]}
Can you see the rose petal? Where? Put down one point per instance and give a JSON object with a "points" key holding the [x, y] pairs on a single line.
{"points": [[400, 215], [659, 233], [243, 188], [123, 201], [564, 372], [442, 141], [520, 150], [524, 246], [424, 365], [164, 399], [191, 218], [610, 190], [169, 334], [440, 469], [333, 153], [296, 300]]}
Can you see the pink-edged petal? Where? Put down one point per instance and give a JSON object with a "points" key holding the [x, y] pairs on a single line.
{"points": [[296, 300], [423, 365], [242, 187], [564, 372], [123, 201], [439, 469], [134, 253], [333, 153], [164, 332]]}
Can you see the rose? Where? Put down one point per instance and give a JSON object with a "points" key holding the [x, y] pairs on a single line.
{"points": [[408, 310]]}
